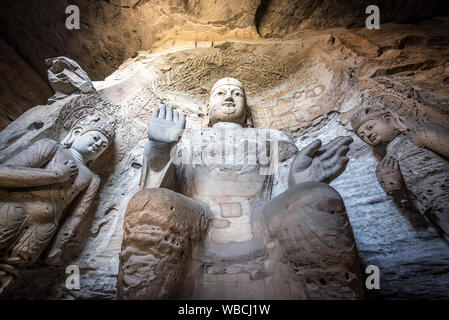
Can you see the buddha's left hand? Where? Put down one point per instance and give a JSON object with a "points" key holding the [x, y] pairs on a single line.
{"points": [[320, 163]]}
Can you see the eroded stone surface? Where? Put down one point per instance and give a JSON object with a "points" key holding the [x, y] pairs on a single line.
{"points": [[21, 88], [414, 171]]}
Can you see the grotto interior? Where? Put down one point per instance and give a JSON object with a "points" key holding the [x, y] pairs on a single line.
{"points": [[135, 224]]}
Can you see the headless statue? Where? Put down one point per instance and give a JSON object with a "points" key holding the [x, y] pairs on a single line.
{"points": [[221, 236], [415, 169], [37, 185]]}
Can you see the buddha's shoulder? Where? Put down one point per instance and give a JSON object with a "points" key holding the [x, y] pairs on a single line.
{"points": [[47, 145]]}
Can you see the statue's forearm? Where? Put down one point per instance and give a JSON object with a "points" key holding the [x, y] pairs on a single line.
{"points": [[157, 154], [20, 177], [155, 159]]}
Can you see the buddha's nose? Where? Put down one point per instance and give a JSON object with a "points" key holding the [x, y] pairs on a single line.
{"points": [[229, 97]]}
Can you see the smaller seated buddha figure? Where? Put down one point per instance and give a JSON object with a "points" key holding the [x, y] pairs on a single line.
{"points": [[415, 169], [38, 184]]}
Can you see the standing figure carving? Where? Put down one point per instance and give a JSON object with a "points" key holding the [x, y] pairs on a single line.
{"points": [[38, 184], [205, 226], [415, 169]]}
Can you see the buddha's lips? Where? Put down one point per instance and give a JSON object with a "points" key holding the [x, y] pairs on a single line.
{"points": [[228, 108]]}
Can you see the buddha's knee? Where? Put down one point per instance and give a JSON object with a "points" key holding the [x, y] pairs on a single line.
{"points": [[156, 210], [160, 229], [306, 203], [310, 223]]}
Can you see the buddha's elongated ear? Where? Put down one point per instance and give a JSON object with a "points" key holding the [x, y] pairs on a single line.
{"points": [[74, 133], [249, 118], [208, 115]]}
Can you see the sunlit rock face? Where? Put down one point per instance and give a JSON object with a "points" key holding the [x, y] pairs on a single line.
{"points": [[304, 73]]}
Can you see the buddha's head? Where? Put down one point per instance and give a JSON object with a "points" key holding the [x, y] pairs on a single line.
{"points": [[377, 127], [227, 102], [90, 144], [90, 137]]}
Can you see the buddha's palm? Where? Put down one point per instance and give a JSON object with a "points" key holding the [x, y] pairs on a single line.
{"points": [[320, 163], [166, 125]]}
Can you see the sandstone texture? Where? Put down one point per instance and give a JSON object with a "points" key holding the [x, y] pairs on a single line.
{"points": [[113, 31], [21, 88], [304, 74]]}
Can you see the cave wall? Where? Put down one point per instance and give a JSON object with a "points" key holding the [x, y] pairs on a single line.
{"points": [[307, 84], [21, 88], [113, 31]]}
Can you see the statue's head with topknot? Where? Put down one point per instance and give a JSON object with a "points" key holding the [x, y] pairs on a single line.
{"points": [[227, 102]]}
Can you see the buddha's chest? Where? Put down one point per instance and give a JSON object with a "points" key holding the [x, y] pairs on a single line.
{"points": [[229, 162]]}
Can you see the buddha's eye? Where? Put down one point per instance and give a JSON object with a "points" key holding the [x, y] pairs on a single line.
{"points": [[104, 145], [220, 93], [370, 128], [237, 94], [95, 138]]}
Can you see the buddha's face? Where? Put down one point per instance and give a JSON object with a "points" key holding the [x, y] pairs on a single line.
{"points": [[228, 104], [377, 131], [90, 144]]}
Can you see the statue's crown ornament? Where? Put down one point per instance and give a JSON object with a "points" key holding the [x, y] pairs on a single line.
{"points": [[98, 122], [365, 114]]}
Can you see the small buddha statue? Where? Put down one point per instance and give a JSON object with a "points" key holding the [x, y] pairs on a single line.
{"points": [[38, 184], [415, 169]]}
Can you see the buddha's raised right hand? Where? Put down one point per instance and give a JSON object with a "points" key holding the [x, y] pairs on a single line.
{"points": [[65, 171], [166, 125]]}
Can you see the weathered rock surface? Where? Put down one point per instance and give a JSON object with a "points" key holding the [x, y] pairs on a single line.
{"points": [[113, 31], [279, 18], [21, 88]]}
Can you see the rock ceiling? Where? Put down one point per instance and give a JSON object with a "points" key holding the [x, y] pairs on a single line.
{"points": [[307, 65]]}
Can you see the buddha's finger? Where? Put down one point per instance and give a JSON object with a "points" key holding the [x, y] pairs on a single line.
{"points": [[338, 168], [169, 113], [161, 112], [312, 148], [395, 164], [341, 152], [182, 121], [331, 143], [336, 144]]}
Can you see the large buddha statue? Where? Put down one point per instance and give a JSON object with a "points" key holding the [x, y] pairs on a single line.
{"points": [[204, 225], [38, 184]]}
